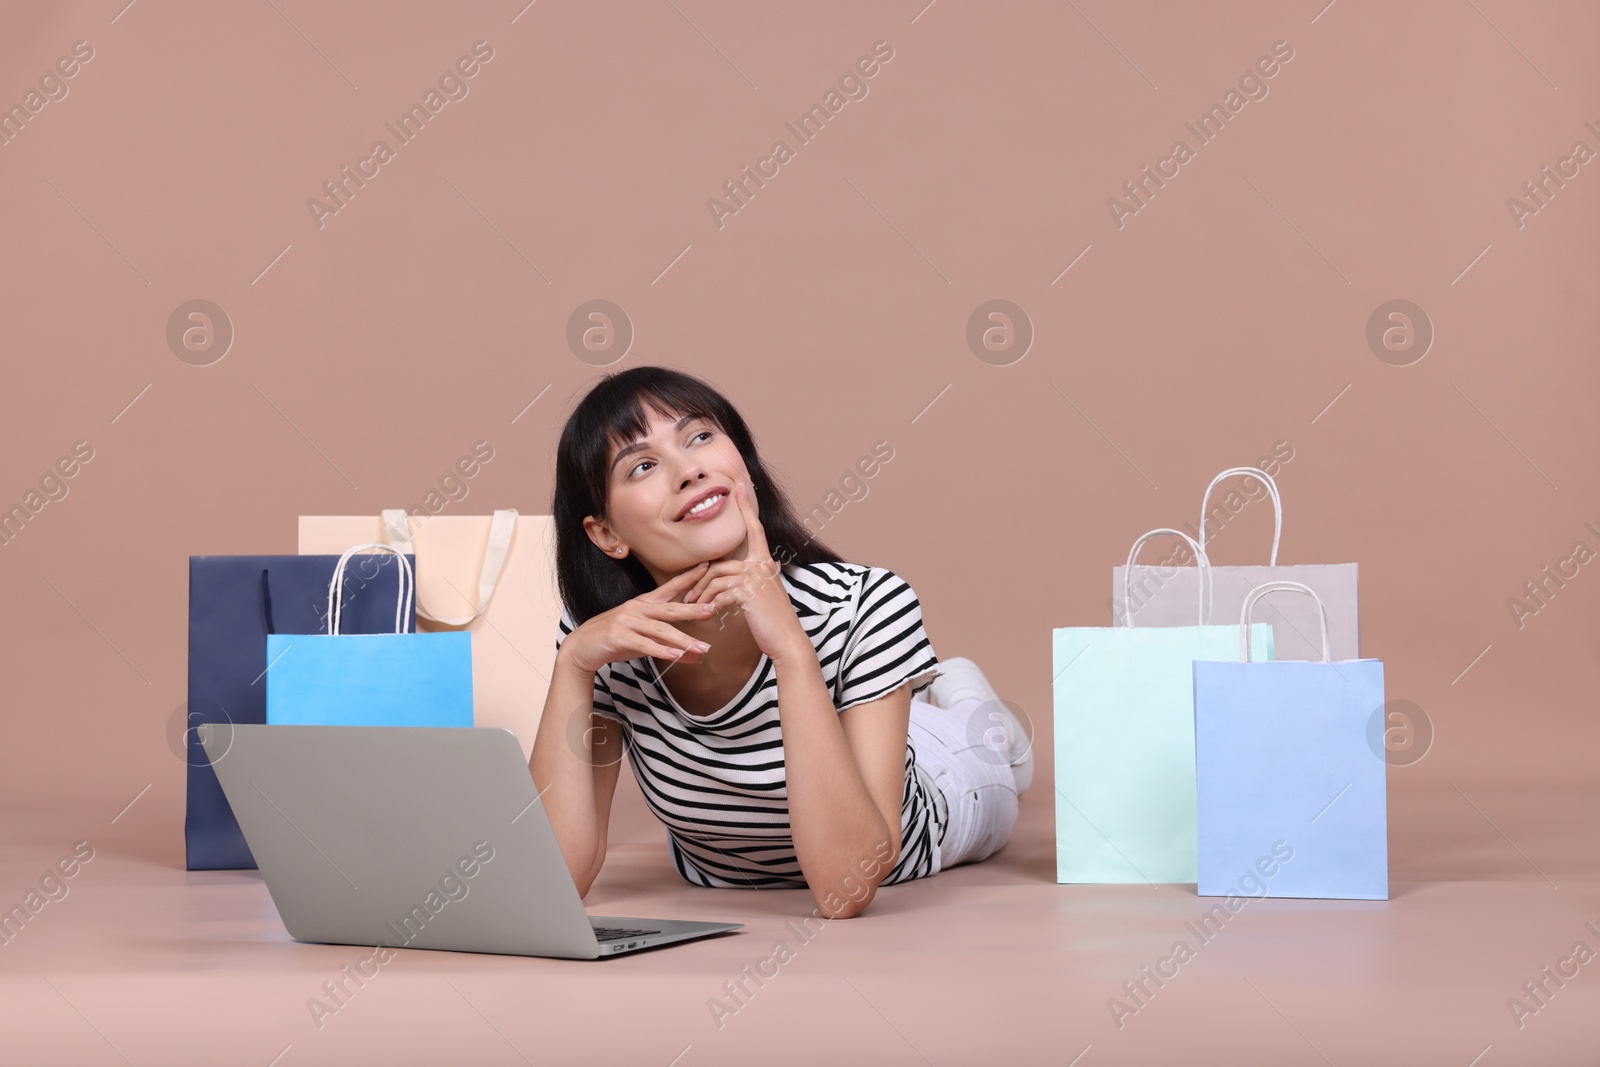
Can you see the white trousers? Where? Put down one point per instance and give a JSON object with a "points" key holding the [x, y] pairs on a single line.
{"points": [[976, 787]]}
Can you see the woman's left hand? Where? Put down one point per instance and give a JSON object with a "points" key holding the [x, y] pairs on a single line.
{"points": [[752, 585]]}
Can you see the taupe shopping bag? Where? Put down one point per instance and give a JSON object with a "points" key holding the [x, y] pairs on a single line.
{"points": [[493, 576], [1158, 599]]}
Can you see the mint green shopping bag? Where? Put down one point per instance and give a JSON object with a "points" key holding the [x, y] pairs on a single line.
{"points": [[1124, 742]]}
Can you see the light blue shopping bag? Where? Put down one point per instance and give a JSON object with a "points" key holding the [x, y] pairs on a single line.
{"points": [[1290, 794], [1124, 743], [397, 679]]}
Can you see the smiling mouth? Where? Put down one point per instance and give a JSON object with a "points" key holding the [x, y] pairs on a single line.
{"points": [[710, 503]]}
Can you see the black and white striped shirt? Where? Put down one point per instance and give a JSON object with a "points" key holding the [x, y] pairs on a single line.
{"points": [[718, 782]]}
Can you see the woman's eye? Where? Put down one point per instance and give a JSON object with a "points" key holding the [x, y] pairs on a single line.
{"points": [[696, 437]]}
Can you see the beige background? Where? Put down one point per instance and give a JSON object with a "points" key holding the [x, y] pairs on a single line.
{"points": [[431, 311]]}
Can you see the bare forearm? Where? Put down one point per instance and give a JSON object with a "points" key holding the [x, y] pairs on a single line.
{"points": [[839, 833], [565, 777]]}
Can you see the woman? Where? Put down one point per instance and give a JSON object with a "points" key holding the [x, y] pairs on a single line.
{"points": [[761, 685]]}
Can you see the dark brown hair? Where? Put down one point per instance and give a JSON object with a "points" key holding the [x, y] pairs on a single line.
{"points": [[612, 415]]}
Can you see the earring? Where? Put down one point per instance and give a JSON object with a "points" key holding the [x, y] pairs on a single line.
{"points": [[619, 551]]}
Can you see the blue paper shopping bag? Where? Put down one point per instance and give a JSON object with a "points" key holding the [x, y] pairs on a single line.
{"points": [[393, 679], [1124, 743], [235, 602], [1289, 789]]}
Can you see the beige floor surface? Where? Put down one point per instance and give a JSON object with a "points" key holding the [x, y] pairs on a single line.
{"points": [[993, 963]]}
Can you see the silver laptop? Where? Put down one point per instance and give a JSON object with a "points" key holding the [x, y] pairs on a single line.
{"points": [[414, 837]]}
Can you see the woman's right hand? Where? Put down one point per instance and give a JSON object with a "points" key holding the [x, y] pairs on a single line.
{"points": [[641, 627]]}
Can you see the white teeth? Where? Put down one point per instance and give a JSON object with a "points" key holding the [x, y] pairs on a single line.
{"points": [[704, 504]]}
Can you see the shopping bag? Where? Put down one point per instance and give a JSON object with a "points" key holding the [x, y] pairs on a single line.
{"points": [[1124, 743], [1159, 602], [235, 602], [386, 679], [492, 577], [1290, 794]]}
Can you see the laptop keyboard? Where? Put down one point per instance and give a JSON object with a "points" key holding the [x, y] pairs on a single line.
{"points": [[615, 933]]}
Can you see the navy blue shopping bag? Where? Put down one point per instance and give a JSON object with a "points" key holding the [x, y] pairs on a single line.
{"points": [[234, 603]]}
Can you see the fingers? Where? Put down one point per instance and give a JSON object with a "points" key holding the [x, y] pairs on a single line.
{"points": [[725, 584], [729, 604], [632, 636], [752, 523], [669, 589], [716, 570], [673, 610], [676, 643], [660, 651]]}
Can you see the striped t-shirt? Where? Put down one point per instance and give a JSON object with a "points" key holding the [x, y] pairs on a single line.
{"points": [[718, 782]]}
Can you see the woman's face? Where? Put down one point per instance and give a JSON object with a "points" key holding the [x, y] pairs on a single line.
{"points": [[651, 483]]}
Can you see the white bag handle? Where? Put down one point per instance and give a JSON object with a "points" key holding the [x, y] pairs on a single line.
{"points": [[1272, 489], [402, 603], [1200, 555], [397, 524], [1273, 587]]}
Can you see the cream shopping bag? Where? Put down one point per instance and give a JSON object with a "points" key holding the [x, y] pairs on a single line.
{"points": [[492, 576]]}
